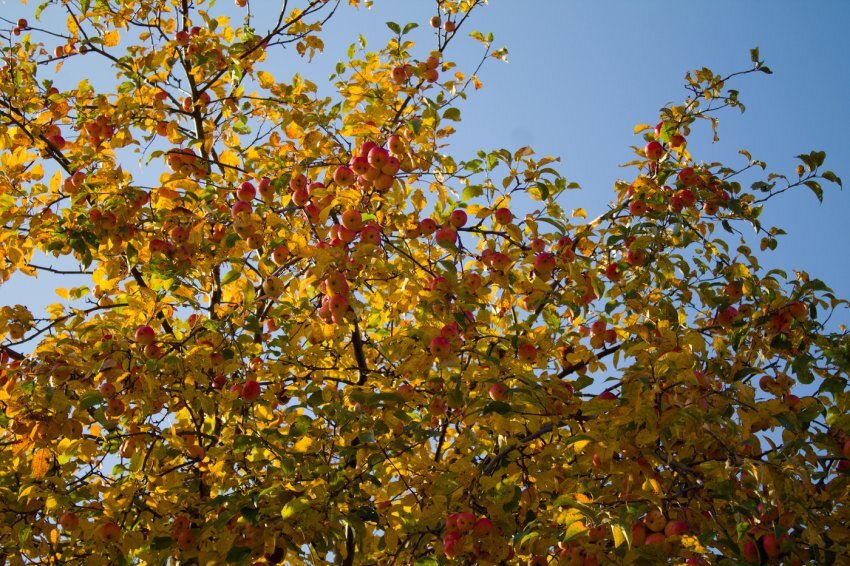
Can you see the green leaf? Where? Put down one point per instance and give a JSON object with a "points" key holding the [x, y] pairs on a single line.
{"points": [[394, 27], [230, 277], [539, 190], [452, 114], [469, 193], [815, 188], [499, 407], [90, 400], [293, 508], [238, 554], [832, 177], [409, 27], [161, 543], [754, 55], [574, 531]]}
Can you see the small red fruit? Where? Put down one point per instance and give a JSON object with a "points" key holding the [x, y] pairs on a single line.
{"points": [[427, 226], [145, 335], [440, 348], [446, 237], [527, 353], [250, 390], [352, 219], [108, 533], [497, 392], [458, 218], [654, 150], [69, 521], [503, 216]]}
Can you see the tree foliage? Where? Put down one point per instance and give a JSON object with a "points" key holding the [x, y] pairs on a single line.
{"points": [[303, 332]]}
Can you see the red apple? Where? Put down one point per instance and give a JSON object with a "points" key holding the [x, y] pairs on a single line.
{"points": [[544, 264], [371, 234], [280, 255], [688, 177], [440, 348], [654, 150], [458, 218], [503, 216], [69, 521], [677, 140], [770, 544], [298, 182], [751, 552], [108, 533], [239, 208], [115, 407], [250, 390], [500, 261], [378, 157], [483, 527], [527, 353], [465, 521], [638, 531], [450, 543], [427, 226], [446, 237], [352, 219], [145, 335], [607, 396], [107, 389], [344, 176], [497, 392], [655, 520], [395, 143], [675, 528], [338, 305]]}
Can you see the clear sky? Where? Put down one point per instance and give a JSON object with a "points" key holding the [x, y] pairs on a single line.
{"points": [[582, 74]]}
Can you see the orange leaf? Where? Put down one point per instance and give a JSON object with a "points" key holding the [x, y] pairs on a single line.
{"points": [[41, 463]]}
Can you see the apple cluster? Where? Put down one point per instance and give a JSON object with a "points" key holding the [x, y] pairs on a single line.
{"points": [[184, 161], [427, 70], [466, 534]]}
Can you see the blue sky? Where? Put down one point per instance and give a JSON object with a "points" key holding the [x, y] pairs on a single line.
{"points": [[582, 74]]}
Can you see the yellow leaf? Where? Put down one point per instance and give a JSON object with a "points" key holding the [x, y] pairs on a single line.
{"points": [[293, 131], [620, 536], [579, 213], [294, 507], [642, 127], [576, 529], [111, 38], [418, 200], [582, 498], [303, 445], [37, 172], [266, 79], [740, 271], [41, 463], [229, 158], [227, 34]]}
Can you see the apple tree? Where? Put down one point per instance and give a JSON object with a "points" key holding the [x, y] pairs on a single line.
{"points": [[303, 332]]}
